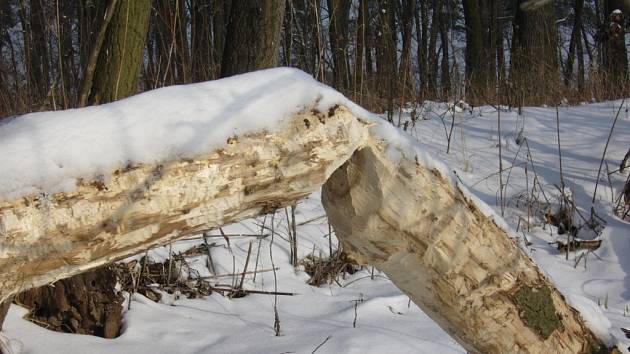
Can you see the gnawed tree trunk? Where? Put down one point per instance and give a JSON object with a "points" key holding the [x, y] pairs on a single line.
{"points": [[147, 205], [448, 257], [407, 220]]}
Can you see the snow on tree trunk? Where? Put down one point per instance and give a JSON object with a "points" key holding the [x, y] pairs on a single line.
{"points": [[49, 238], [453, 261]]}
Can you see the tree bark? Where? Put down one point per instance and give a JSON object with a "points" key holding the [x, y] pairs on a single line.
{"points": [[534, 71], [576, 36], [339, 10], [615, 55], [253, 36], [203, 56], [119, 65], [86, 303], [386, 62], [90, 68], [453, 261], [4, 309], [445, 78], [432, 57], [221, 16], [409, 9], [362, 23], [474, 49]]}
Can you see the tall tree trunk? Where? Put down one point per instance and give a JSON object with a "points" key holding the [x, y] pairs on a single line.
{"points": [[432, 57], [615, 54], [581, 69], [118, 67], [220, 18], [35, 50], [7, 94], [422, 29], [203, 59], [408, 11], [370, 44], [287, 35], [183, 61], [576, 36], [339, 11], [483, 37], [534, 69], [386, 55], [501, 75], [475, 75], [253, 36], [362, 23], [445, 64]]}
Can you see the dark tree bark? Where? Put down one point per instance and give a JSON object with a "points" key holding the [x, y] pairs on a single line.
{"points": [[500, 49], [444, 65], [287, 35], [615, 54], [7, 94], [253, 36], [339, 10], [534, 70], [221, 16], [33, 21], [573, 43], [181, 43], [422, 29], [408, 11], [432, 57], [85, 303], [474, 49], [362, 23], [4, 309], [386, 55], [203, 56], [90, 65], [370, 43], [483, 38], [118, 67]]}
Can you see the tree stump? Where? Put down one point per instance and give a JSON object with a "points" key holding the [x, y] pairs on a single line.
{"points": [[86, 303]]}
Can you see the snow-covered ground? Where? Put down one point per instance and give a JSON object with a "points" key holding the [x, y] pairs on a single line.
{"points": [[364, 314]]}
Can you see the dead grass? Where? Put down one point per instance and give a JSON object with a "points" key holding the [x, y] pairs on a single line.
{"points": [[326, 270]]}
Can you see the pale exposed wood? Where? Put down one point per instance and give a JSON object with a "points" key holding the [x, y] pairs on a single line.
{"points": [[449, 258], [43, 239]]}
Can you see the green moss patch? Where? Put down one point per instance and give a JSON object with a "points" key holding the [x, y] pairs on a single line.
{"points": [[536, 309]]}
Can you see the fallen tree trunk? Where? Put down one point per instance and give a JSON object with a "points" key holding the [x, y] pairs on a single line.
{"points": [[49, 238], [453, 261], [404, 218]]}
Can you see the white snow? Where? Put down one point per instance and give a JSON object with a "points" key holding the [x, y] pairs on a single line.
{"points": [[593, 315], [596, 283]]}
